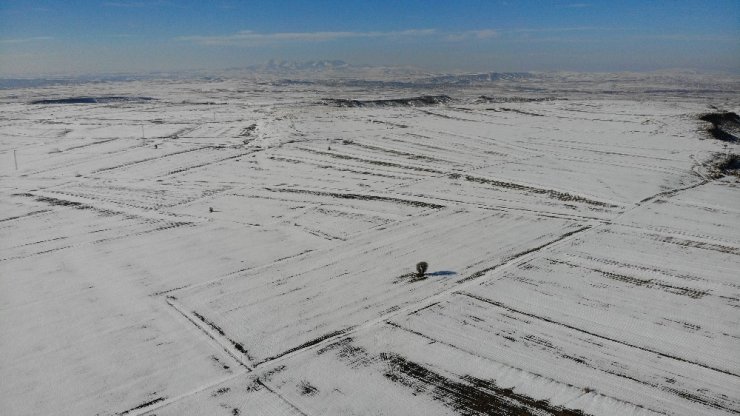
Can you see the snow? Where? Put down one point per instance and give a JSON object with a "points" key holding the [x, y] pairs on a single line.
{"points": [[239, 246]]}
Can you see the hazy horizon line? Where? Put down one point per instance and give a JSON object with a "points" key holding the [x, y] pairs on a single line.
{"points": [[255, 68]]}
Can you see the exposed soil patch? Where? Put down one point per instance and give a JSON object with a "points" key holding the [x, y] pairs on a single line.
{"points": [[307, 389], [222, 390], [247, 131], [420, 101], [348, 353], [468, 396], [725, 126], [92, 100]]}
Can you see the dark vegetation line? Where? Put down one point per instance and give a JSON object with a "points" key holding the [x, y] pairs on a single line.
{"points": [[89, 144], [423, 100], [673, 357], [25, 215], [514, 110], [41, 242], [162, 292], [445, 116], [307, 344], [375, 162], [397, 152], [92, 100], [207, 163], [671, 192], [420, 204], [325, 166], [37, 253], [563, 196], [143, 405]]}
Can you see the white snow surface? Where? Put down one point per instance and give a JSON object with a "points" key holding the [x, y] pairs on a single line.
{"points": [[244, 247]]}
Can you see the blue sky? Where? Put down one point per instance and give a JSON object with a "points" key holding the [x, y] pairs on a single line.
{"points": [[76, 36]]}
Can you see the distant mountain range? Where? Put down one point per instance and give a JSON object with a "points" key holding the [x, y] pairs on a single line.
{"points": [[323, 65]]}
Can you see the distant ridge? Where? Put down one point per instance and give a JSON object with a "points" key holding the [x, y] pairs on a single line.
{"points": [[467, 79]]}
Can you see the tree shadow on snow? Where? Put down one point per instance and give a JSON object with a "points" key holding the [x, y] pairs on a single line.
{"points": [[413, 277], [442, 273]]}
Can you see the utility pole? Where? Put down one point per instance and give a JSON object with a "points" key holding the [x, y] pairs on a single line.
{"points": [[142, 132], [15, 160]]}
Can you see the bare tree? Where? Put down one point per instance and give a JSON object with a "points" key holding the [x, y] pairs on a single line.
{"points": [[421, 268]]}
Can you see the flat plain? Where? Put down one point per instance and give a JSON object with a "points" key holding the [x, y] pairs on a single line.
{"points": [[239, 246]]}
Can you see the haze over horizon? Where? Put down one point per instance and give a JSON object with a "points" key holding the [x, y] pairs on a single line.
{"points": [[40, 37]]}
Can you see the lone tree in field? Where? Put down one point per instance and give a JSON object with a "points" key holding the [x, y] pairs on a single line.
{"points": [[421, 268]]}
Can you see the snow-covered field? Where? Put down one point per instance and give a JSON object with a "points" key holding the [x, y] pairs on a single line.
{"points": [[245, 247]]}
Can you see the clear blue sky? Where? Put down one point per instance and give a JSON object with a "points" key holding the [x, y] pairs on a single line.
{"points": [[91, 36]]}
